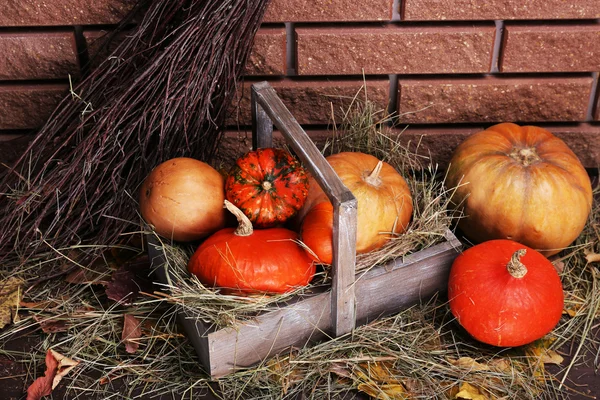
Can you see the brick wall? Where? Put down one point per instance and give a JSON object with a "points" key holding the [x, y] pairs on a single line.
{"points": [[449, 68]]}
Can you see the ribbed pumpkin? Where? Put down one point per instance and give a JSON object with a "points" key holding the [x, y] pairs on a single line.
{"points": [[520, 183], [242, 260], [269, 185], [384, 204]]}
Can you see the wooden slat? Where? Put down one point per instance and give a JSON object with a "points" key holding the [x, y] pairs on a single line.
{"points": [[262, 126], [344, 205]]}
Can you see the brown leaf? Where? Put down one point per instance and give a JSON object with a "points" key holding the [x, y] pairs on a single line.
{"points": [[57, 366], [49, 325], [129, 280], [132, 331], [592, 257], [10, 297], [559, 266]]}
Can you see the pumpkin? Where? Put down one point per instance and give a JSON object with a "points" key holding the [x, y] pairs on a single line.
{"points": [[384, 204], [182, 199], [317, 232], [520, 183], [245, 261], [504, 293], [268, 185]]}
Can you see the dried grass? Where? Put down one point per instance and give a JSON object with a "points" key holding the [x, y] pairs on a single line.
{"points": [[419, 353]]}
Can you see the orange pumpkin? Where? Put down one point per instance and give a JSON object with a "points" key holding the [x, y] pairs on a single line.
{"points": [[504, 293], [244, 260], [183, 199], [384, 204], [520, 183]]}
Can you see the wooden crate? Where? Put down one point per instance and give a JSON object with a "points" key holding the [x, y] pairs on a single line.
{"points": [[352, 298]]}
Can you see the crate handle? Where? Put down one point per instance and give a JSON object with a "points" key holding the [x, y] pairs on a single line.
{"points": [[269, 110]]}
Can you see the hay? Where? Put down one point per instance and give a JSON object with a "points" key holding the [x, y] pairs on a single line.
{"points": [[418, 353]]}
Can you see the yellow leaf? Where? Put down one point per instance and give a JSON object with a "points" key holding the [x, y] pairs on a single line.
{"points": [[379, 380], [469, 392], [393, 391], [468, 363], [10, 297], [540, 350]]}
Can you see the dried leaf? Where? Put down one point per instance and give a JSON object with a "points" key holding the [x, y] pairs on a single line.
{"points": [[65, 365], [384, 392], [592, 257], [559, 266], [50, 325], [469, 364], [539, 350], [57, 366], [501, 365], [469, 392], [89, 276], [284, 373], [132, 331], [10, 298], [129, 280], [380, 381]]}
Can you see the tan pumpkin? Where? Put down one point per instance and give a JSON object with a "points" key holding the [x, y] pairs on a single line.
{"points": [[384, 204], [522, 184], [183, 199]]}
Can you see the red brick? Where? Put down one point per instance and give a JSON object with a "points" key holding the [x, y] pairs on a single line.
{"points": [[28, 106], [235, 143], [12, 146], [494, 99], [583, 139], [268, 55], [394, 50], [97, 50], [312, 102], [38, 56], [428, 10], [551, 48], [327, 10], [63, 12], [434, 143]]}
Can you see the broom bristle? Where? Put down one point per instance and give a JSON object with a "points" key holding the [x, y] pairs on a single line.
{"points": [[162, 93]]}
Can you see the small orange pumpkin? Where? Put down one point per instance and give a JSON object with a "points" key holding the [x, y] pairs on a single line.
{"points": [[243, 260]]}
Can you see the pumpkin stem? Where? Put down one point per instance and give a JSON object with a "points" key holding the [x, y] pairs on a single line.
{"points": [[515, 267], [525, 156], [245, 225], [266, 185], [373, 178]]}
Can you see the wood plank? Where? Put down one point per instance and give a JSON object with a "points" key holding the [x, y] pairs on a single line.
{"points": [[262, 126], [344, 205]]}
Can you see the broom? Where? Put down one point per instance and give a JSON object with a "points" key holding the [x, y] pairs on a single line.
{"points": [[163, 93]]}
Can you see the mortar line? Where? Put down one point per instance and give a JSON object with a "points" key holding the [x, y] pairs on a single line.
{"points": [[497, 46], [396, 16], [393, 96], [589, 116], [290, 49]]}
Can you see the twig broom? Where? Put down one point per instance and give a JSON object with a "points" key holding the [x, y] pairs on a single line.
{"points": [[162, 93]]}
